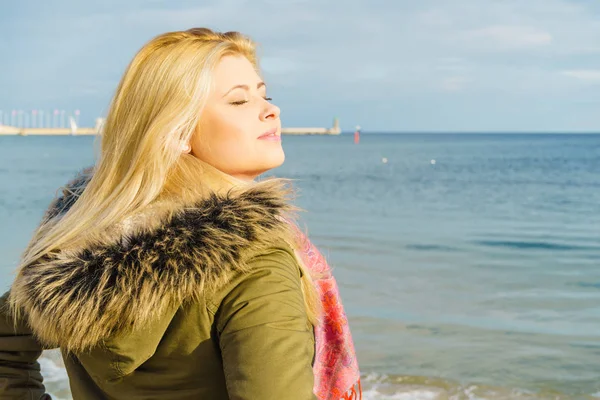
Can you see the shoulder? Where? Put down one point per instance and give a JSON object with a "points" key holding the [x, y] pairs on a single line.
{"points": [[279, 257], [273, 269]]}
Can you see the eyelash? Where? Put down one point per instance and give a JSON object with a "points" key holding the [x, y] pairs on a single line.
{"points": [[239, 103]]}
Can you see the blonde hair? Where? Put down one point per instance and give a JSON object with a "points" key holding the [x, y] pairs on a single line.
{"points": [[156, 108]]}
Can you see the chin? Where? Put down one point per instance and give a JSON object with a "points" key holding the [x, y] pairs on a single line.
{"points": [[260, 164], [274, 159], [280, 160]]}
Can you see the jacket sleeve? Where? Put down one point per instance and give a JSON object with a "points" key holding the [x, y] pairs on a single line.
{"points": [[20, 376], [266, 341]]}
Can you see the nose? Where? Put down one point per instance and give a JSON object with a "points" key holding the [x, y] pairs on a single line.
{"points": [[270, 111]]}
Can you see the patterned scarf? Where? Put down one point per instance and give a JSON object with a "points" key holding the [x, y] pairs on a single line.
{"points": [[336, 367]]}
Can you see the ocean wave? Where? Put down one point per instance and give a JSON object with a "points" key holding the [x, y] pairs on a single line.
{"points": [[390, 387], [533, 245]]}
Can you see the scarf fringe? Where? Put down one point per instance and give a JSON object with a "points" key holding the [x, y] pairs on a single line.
{"points": [[354, 393]]}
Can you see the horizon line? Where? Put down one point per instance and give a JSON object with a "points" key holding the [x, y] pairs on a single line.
{"points": [[474, 132]]}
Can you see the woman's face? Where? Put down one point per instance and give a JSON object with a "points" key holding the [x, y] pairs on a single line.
{"points": [[239, 131]]}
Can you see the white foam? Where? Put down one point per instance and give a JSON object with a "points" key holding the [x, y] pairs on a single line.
{"points": [[55, 375], [373, 394], [377, 387], [409, 394]]}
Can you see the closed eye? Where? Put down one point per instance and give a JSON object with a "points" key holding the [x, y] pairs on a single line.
{"points": [[239, 103]]}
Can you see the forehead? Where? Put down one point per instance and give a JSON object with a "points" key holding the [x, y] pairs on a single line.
{"points": [[232, 71]]}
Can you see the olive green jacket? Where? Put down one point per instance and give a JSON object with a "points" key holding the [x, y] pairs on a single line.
{"points": [[205, 302]]}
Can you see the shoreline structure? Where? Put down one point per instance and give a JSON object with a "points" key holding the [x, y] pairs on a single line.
{"points": [[74, 130]]}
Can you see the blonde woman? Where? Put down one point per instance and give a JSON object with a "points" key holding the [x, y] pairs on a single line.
{"points": [[165, 271]]}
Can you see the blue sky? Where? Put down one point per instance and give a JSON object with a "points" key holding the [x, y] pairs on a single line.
{"points": [[427, 65]]}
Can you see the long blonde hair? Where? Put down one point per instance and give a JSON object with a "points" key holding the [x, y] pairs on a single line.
{"points": [[156, 108]]}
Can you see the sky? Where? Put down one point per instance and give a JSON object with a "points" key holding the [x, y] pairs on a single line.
{"points": [[402, 65]]}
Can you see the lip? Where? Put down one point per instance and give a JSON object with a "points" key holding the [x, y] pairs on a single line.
{"points": [[270, 134]]}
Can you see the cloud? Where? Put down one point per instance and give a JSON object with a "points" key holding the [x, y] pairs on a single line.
{"points": [[452, 64], [586, 75], [454, 83], [508, 37], [474, 27]]}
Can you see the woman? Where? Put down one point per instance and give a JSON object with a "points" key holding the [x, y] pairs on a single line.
{"points": [[166, 271]]}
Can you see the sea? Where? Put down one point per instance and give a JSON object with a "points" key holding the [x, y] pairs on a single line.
{"points": [[468, 263]]}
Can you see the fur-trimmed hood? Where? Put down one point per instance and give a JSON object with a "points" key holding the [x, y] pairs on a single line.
{"points": [[77, 299]]}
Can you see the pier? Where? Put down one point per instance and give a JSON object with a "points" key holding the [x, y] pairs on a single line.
{"points": [[10, 130], [74, 130], [334, 130]]}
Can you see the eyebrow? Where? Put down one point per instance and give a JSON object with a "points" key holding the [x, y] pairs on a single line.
{"points": [[245, 87]]}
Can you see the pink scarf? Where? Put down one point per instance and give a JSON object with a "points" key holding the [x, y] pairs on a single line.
{"points": [[336, 367]]}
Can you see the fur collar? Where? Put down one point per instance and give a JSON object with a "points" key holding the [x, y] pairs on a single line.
{"points": [[78, 299]]}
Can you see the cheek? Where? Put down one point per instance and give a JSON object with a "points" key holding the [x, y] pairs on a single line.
{"points": [[222, 139]]}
